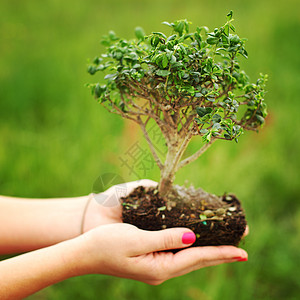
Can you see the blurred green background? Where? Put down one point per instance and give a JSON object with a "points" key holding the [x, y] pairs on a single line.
{"points": [[55, 140]]}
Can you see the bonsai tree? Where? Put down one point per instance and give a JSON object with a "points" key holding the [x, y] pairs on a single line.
{"points": [[190, 83]]}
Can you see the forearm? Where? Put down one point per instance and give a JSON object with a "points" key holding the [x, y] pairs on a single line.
{"points": [[117, 249], [28, 273], [28, 224]]}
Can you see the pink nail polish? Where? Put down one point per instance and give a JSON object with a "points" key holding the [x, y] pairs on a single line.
{"points": [[188, 238]]}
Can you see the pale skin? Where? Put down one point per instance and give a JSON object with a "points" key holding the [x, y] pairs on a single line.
{"points": [[50, 230]]}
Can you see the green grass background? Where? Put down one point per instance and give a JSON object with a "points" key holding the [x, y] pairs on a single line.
{"points": [[55, 140]]}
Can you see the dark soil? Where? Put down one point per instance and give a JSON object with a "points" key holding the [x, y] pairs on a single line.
{"points": [[214, 220]]}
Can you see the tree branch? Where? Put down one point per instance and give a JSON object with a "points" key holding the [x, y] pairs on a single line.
{"points": [[194, 156], [146, 112], [118, 111], [152, 148], [164, 126], [182, 148], [185, 128]]}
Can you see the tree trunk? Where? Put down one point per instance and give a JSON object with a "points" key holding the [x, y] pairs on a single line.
{"points": [[168, 172], [176, 148]]}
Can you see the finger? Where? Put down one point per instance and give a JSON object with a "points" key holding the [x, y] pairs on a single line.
{"points": [[246, 231], [130, 186], [147, 182], [112, 196], [167, 239], [195, 258]]}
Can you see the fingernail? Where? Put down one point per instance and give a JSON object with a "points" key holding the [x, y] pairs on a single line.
{"points": [[188, 238], [237, 257], [242, 259]]}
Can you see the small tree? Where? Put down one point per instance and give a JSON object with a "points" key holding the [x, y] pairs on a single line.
{"points": [[189, 83]]}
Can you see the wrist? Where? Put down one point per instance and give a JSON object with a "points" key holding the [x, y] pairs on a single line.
{"points": [[73, 257], [88, 214], [82, 255]]}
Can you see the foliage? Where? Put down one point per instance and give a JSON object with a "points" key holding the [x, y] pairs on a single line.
{"points": [[195, 78], [189, 83]]}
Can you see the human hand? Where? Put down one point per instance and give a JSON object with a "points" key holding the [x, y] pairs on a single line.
{"points": [[105, 207], [123, 250]]}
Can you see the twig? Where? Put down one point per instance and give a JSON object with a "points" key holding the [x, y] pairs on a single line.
{"points": [[152, 148], [182, 148], [187, 124], [118, 112], [195, 155]]}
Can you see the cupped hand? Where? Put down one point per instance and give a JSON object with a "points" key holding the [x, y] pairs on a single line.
{"points": [[123, 250], [105, 208]]}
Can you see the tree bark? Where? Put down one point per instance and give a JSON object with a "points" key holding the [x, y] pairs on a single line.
{"points": [[168, 173], [175, 152]]}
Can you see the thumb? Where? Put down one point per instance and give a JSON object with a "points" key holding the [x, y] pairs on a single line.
{"points": [[167, 239]]}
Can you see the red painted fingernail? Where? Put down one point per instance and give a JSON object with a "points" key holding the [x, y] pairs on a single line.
{"points": [[243, 259], [237, 257], [189, 238]]}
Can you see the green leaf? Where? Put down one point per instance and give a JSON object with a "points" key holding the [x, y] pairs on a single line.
{"points": [[198, 121], [199, 29], [234, 39], [212, 40], [154, 40], [92, 70], [172, 37], [260, 119], [99, 90], [118, 55], [198, 95], [112, 35], [230, 15], [105, 43], [207, 137], [139, 33], [111, 76], [204, 131], [210, 99], [179, 27], [97, 60], [136, 66], [226, 30], [163, 73], [202, 111], [198, 37], [186, 26], [166, 23], [173, 59], [202, 217], [164, 61], [244, 53], [216, 126], [191, 90], [216, 118], [160, 34]]}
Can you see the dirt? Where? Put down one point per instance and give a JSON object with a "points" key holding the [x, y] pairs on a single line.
{"points": [[215, 220]]}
